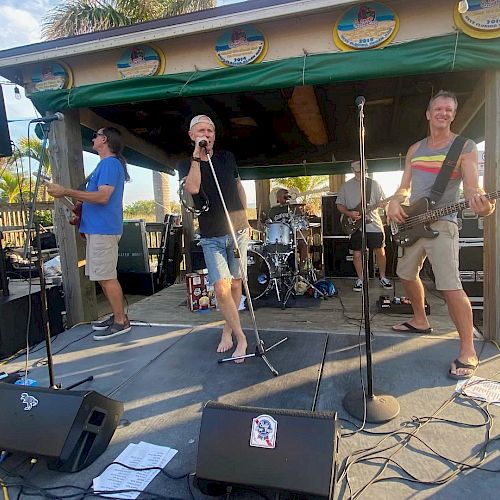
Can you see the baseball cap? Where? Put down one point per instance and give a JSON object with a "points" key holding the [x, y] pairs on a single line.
{"points": [[201, 119], [356, 166]]}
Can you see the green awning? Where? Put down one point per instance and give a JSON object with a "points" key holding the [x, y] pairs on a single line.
{"points": [[449, 53]]}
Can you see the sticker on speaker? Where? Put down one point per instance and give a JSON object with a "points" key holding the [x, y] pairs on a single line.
{"points": [[29, 400], [264, 429]]}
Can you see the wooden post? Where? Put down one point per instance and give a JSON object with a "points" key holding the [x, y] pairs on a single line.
{"points": [[67, 169], [335, 181], [491, 314], [262, 191]]}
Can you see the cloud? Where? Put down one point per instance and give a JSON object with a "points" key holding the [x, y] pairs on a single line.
{"points": [[20, 27]]}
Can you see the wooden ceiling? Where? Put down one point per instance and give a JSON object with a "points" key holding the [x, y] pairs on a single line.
{"points": [[317, 124]]}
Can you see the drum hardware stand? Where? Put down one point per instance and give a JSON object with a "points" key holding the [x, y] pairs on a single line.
{"points": [[366, 406], [260, 349], [297, 276]]}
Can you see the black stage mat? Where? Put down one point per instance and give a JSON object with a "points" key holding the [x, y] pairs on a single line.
{"points": [[165, 397], [295, 301]]}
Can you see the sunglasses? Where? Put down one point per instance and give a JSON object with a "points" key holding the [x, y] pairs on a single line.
{"points": [[95, 135]]}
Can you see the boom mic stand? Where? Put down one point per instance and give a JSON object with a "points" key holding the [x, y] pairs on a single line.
{"points": [[366, 406], [43, 290], [260, 349]]}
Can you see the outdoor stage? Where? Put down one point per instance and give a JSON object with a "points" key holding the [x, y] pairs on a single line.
{"points": [[165, 374]]}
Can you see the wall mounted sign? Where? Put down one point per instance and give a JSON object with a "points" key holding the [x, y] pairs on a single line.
{"points": [[50, 76], [241, 45], [141, 60], [482, 20], [366, 26]]}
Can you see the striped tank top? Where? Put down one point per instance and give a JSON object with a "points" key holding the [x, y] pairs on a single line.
{"points": [[426, 163]]}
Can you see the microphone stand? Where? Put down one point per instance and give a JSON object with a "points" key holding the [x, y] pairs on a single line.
{"points": [[43, 289], [260, 349], [366, 406]]}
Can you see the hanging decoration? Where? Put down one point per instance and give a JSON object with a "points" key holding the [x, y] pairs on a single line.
{"points": [[141, 60], [241, 45], [481, 20], [366, 26]]}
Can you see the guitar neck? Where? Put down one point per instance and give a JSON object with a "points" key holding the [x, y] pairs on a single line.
{"points": [[450, 209]]}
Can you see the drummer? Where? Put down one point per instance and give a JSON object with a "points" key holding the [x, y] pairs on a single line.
{"points": [[284, 206]]}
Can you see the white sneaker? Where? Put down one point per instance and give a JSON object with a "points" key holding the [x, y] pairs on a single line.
{"points": [[358, 287], [386, 283]]}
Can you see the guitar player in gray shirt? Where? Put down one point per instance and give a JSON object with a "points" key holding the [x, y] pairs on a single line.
{"points": [[348, 201]]}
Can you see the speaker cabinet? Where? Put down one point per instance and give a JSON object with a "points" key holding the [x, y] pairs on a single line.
{"points": [[70, 429], [330, 216], [337, 257], [471, 268], [236, 449], [5, 145]]}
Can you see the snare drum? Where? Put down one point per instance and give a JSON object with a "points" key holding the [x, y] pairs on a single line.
{"points": [[279, 233]]}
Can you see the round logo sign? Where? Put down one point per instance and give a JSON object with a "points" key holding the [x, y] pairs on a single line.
{"points": [[241, 45], [140, 60], [482, 20], [366, 26], [51, 76]]}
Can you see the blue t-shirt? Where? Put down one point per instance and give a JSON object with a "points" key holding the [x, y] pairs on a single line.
{"points": [[108, 218]]}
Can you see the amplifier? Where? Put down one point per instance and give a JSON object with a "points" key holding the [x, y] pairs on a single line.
{"points": [[471, 268], [470, 224]]}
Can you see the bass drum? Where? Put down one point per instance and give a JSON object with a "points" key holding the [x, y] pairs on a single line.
{"points": [[258, 274]]}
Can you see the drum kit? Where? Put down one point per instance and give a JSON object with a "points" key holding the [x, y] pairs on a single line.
{"points": [[273, 263]]}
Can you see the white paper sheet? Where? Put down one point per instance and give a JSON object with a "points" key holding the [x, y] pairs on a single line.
{"points": [[480, 388], [140, 455]]}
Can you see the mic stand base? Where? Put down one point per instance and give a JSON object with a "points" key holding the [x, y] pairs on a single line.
{"points": [[259, 353], [379, 409]]}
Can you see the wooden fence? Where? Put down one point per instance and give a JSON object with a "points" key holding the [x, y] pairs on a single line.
{"points": [[14, 219]]}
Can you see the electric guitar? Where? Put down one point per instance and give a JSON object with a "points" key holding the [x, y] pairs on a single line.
{"points": [[416, 225], [350, 226]]}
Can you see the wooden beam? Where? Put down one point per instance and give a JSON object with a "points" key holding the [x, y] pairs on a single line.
{"points": [[335, 181], [66, 159], [262, 191], [491, 313], [95, 122], [470, 108]]}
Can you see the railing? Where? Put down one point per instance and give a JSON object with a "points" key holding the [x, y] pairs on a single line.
{"points": [[14, 219]]}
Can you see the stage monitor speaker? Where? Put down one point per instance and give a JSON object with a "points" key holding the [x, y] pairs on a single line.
{"points": [[235, 449], [5, 144], [70, 429]]}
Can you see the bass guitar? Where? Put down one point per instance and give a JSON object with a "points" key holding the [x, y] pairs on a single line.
{"points": [[349, 225], [417, 226]]}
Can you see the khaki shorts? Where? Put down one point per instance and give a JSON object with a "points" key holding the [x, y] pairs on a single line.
{"points": [[442, 253], [101, 256]]}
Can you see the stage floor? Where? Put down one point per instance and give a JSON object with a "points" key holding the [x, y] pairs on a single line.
{"points": [[166, 372]]}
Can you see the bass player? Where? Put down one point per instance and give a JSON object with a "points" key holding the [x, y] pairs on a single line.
{"points": [[424, 160]]}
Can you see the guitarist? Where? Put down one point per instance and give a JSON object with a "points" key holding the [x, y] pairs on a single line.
{"points": [[349, 195], [423, 162], [102, 224]]}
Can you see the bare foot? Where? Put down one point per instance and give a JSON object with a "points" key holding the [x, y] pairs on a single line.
{"points": [[226, 342], [241, 350]]}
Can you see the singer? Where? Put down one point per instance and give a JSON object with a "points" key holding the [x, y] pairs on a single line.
{"points": [[216, 241], [102, 224]]}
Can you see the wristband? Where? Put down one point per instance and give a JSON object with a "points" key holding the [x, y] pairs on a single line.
{"points": [[195, 158]]}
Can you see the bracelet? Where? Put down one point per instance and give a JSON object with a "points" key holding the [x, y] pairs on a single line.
{"points": [[195, 158]]}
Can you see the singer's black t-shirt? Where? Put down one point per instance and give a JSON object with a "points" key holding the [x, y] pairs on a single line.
{"points": [[213, 222]]}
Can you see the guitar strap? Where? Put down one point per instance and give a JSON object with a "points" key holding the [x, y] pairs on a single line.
{"points": [[449, 164]]}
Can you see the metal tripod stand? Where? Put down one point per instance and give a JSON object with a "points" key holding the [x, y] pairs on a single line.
{"points": [[260, 349], [297, 277]]}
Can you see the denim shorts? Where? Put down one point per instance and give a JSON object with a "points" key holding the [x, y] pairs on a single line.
{"points": [[219, 256]]}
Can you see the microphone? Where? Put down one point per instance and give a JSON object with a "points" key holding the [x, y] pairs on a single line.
{"points": [[56, 117], [360, 101], [203, 143]]}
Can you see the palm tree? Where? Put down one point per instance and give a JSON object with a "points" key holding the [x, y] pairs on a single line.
{"points": [[32, 148], [305, 184], [76, 17], [12, 187]]}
